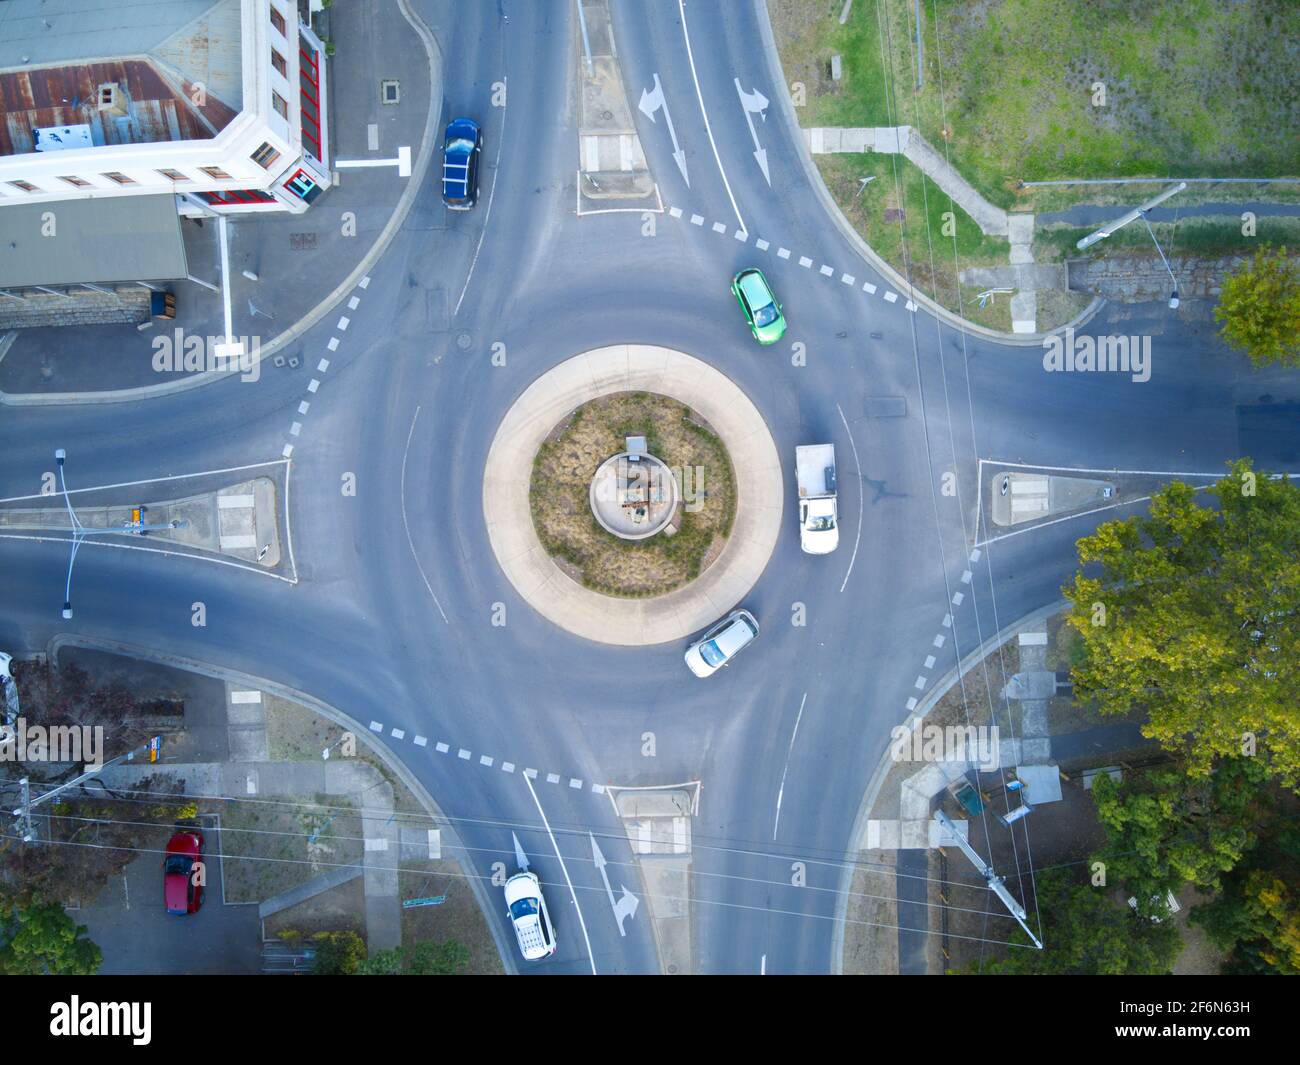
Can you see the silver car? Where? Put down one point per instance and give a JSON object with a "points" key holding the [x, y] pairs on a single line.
{"points": [[717, 647]]}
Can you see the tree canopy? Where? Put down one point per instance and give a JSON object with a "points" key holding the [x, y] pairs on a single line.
{"points": [[1259, 307]]}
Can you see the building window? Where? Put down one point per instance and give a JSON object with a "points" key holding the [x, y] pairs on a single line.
{"points": [[277, 20], [75, 182], [281, 108], [172, 175], [120, 178], [237, 197], [265, 156], [216, 173], [26, 186], [277, 61]]}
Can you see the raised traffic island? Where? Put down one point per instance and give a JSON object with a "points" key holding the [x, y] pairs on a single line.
{"points": [[633, 494]]}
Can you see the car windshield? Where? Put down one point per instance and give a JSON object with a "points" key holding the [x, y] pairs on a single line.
{"points": [[523, 908], [765, 315], [711, 653], [178, 864], [822, 524], [460, 144]]}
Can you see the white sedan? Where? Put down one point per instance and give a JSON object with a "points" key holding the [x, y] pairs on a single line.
{"points": [[527, 912], [717, 647]]}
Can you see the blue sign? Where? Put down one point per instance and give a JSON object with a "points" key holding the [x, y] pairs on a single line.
{"points": [[433, 900]]}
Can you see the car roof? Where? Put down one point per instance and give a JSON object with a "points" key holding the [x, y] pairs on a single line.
{"points": [[732, 638], [522, 886], [756, 290], [459, 127]]}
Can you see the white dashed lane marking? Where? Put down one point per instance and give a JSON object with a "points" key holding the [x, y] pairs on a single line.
{"points": [[891, 297], [783, 253], [826, 271], [676, 212], [697, 219], [442, 748], [718, 227], [322, 366], [315, 384], [761, 244], [805, 262]]}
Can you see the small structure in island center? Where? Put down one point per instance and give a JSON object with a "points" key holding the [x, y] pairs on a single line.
{"points": [[633, 494]]}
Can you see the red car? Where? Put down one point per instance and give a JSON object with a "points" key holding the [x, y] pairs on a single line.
{"points": [[180, 894]]}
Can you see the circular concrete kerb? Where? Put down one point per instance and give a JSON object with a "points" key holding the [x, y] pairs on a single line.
{"points": [[544, 405]]}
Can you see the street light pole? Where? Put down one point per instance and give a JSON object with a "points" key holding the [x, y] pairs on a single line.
{"points": [[1137, 212], [1173, 299], [80, 532]]}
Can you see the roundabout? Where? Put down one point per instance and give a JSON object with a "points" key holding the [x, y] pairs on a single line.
{"points": [[551, 586]]}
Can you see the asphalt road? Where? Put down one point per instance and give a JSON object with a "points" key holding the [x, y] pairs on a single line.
{"points": [[400, 631]]}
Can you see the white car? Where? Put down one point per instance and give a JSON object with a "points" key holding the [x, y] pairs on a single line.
{"points": [[527, 912], [8, 691], [717, 647]]}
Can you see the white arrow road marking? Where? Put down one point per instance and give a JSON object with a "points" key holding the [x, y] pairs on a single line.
{"points": [[521, 859], [651, 101], [755, 102], [624, 907]]}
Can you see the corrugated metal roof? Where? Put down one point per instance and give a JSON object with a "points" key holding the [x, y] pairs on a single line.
{"points": [[49, 32], [102, 241]]}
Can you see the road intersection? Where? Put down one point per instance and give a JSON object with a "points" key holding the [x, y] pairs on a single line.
{"points": [[392, 618]]}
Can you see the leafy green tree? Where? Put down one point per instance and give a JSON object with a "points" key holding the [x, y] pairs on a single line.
{"points": [[448, 958], [1257, 915], [1260, 309], [1086, 931], [1195, 618], [38, 938], [338, 953], [1165, 829]]}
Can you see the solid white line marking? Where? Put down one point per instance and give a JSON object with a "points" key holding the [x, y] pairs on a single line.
{"points": [[783, 253], [149, 480], [789, 751], [564, 869], [690, 56], [868, 287], [487, 215], [891, 297], [407, 525], [761, 244], [313, 386], [322, 366], [861, 498]]}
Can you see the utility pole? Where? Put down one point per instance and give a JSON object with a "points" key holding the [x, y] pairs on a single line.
{"points": [[1137, 212], [997, 884], [24, 812]]}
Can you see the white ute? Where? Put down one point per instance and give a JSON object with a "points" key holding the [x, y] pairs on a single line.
{"points": [[819, 523], [527, 912]]}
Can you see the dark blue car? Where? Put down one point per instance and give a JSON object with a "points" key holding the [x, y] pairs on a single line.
{"points": [[460, 152]]}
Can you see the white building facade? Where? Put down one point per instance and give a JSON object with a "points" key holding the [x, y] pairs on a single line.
{"points": [[223, 105]]}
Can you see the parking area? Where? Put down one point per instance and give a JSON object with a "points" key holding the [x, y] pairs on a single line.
{"points": [[137, 935]]}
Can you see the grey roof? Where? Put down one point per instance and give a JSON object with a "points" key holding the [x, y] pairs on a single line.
{"points": [[39, 33], [101, 240]]}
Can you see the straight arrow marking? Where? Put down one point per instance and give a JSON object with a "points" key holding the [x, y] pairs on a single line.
{"points": [[623, 907], [750, 103], [651, 101]]}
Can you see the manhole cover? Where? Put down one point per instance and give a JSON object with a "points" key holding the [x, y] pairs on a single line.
{"points": [[463, 341], [390, 91]]}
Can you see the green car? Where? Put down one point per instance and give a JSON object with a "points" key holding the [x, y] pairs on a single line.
{"points": [[757, 300]]}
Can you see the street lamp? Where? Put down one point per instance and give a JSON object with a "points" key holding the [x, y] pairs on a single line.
{"points": [[1139, 212], [1173, 299], [80, 532]]}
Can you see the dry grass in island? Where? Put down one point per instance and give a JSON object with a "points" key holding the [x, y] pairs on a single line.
{"points": [[562, 473]]}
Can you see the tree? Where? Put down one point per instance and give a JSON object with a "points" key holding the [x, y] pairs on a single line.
{"points": [[1195, 618], [338, 953], [1086, 931], [38, 938], [427, 958], [1257, 915], [1165, 829], [1260, 309]]}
